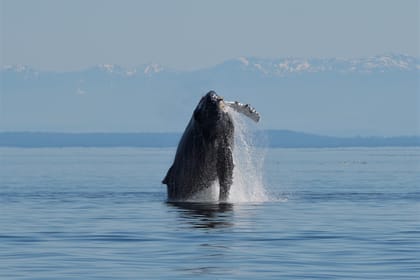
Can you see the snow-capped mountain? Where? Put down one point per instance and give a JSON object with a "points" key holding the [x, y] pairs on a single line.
{"points": [[111, 70], [269, 67], [148, 70], [20, 70], [368, 96], [287, 66], [152, 69]]}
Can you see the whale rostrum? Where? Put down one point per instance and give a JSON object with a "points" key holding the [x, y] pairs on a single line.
{"points": [[245, 109]]}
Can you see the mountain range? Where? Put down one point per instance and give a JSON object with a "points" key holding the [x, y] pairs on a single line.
{"points": [[376, 95], [270, 67]]}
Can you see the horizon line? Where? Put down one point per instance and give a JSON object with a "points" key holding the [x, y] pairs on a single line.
{"points": [[180, 132]]}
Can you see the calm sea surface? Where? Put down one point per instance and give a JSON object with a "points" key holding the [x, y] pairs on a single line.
{"points": [[101, 214]]}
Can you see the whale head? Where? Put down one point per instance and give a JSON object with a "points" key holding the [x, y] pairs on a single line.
{"points": [[211, 114], [209, 109]]}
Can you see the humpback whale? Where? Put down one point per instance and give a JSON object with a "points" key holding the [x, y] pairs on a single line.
{"points": [[204, 153]]}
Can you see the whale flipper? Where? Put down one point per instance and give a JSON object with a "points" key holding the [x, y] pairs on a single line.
{"points": [[245, 109]]}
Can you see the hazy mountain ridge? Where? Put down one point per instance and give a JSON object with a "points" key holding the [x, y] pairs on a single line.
{"points": [[367, 96], [266, 66]]}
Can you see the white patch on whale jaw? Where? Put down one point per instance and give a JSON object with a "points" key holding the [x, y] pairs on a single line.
{"points": [[222, 106]]}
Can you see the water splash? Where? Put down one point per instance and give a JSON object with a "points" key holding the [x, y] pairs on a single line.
{"points": [[248, 157], [207, 195], [248, 183]]}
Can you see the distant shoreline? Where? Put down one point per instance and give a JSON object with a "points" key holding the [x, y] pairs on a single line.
{"points": [[269, 138]]}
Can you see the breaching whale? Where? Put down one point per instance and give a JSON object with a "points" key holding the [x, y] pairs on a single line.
{"points": [[204, 153]]}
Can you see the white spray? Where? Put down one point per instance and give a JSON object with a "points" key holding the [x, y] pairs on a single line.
{"points": [[248, 159], [248, 183]]}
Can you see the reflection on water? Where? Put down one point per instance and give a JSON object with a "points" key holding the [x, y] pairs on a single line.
{"points": [[205, 215], [210, 252]]}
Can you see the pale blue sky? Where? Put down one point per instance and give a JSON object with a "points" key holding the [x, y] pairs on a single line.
{"points": [[75, 34]]}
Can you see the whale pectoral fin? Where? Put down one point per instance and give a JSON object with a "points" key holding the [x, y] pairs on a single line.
{"points": [[245, 109], [225, 172]]}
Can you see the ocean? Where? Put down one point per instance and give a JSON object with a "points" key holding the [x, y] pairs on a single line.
{"points": [[101, 213]]}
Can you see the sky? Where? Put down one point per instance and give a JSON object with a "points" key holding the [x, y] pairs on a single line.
{"points": [[187, 35]]}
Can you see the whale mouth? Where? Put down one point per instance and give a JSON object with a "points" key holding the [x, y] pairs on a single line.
{"points": [[245, 109]]}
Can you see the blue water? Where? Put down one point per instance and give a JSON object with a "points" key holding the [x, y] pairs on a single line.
{"points": [[101, 214]]}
